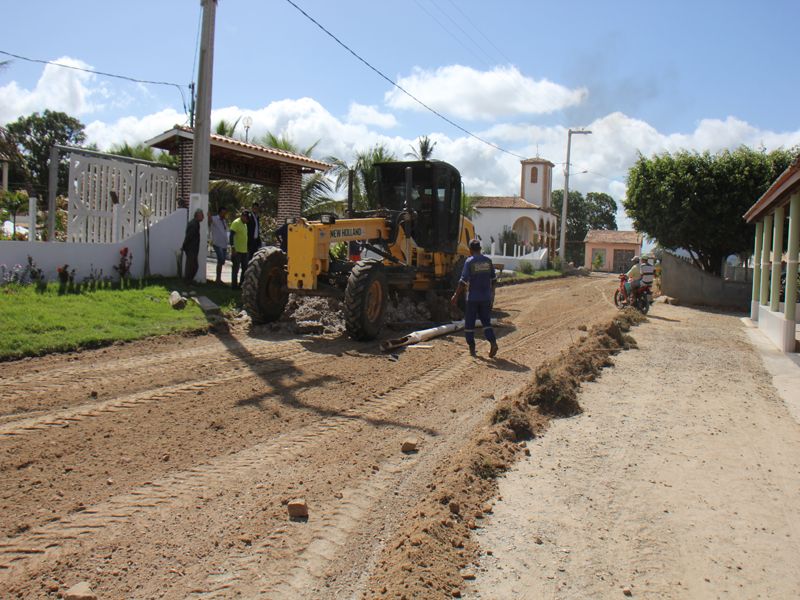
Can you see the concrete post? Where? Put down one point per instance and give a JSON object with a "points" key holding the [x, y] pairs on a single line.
{"points": [[777, 252], [766, 247], [32, 202], [52, 184], [791, 262], [754, 300]]}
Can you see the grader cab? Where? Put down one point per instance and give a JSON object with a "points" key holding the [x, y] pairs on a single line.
{"points": [[414, 243]]}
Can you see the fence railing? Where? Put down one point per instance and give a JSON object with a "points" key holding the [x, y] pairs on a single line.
{"points": [[106, 193]]}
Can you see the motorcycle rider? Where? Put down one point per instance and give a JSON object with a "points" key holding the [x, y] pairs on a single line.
{"points": [[634, 276], [648, 270]]}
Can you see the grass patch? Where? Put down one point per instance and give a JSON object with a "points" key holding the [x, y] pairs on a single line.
{"points": [[519, 276], [36, 322]]}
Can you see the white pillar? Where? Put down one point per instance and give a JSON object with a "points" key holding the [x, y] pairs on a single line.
{"points": [[777, 252], [32, 219], [791, 255], [766, 246], [754, 300]]}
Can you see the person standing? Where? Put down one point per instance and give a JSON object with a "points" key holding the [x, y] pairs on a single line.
{"points": [[219, 239], [478, 274], [191, 245], [238, 235], [253, 232]]}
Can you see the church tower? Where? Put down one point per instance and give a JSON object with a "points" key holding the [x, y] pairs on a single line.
{"points": [[537, 181]]}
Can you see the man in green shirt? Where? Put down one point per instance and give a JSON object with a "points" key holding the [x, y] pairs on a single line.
{"points": [[238, 233]]}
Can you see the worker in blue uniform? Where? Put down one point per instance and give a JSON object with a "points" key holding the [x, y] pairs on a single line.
{"points": [[478, 276]]}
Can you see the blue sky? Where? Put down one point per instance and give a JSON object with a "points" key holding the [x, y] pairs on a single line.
{"points": [[644, 76]]}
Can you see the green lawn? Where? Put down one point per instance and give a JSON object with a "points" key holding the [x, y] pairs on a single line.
{"points": [[517, 276], [34, 322]]}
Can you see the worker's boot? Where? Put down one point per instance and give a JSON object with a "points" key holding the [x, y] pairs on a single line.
{"points": [[493, 350], [472, 350]]}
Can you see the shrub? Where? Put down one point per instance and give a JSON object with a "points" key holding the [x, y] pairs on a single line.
{"points": [[525, 267]]}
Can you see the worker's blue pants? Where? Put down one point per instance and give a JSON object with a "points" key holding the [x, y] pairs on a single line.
{"points": [[484, 311]]}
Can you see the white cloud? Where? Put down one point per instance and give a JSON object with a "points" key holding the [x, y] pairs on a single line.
{"points": [[58, 89], [361, 114], [469, 94]]}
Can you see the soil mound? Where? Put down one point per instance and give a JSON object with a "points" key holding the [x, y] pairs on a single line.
{"points": [[431, 556]]}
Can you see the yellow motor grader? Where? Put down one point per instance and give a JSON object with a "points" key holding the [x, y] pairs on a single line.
{"points": [[415, 242]]}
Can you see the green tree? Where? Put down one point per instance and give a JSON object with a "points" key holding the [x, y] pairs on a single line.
{"points": [[13, 203], [34, 136], [365, 186], [468, 203], [143, 152], [316, 191], [596, 210], [226, 128], [423, 150], [696, 201]]}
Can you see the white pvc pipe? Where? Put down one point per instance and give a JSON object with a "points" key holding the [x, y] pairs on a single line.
{"points": [[424, 335]]}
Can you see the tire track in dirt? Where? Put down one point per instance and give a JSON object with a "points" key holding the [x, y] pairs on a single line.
{"points": [[72, 416], [32, 384], [46, 541]]}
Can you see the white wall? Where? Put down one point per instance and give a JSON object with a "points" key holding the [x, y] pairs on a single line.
{"points": [[537, 258], [166, 238], [491, 221]]}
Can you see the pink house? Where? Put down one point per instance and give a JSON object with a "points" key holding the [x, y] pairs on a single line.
{"points": [[611, 250]]}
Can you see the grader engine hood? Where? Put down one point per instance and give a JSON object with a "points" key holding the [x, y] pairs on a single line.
{"points": [[309, 246]]}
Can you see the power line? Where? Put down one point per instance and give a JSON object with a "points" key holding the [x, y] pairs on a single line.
{"points": [[449, 32], [103, 73], [462, 30], [398, 86], [475, 27]]}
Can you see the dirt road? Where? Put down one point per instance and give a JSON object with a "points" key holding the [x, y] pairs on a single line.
{"points": [[685, 487], [162, 468]]}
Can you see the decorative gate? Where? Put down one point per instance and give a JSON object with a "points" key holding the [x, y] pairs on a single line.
{"points": [[107, 191]]}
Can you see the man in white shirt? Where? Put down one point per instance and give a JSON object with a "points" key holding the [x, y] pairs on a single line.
{"points": [[219, 239]]}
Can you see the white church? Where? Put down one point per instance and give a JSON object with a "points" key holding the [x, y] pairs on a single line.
{"points": [[530, 215]]}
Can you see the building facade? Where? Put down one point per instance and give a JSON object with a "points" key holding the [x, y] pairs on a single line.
{"points": [[611, 251], [529, 215], [773, 303]]}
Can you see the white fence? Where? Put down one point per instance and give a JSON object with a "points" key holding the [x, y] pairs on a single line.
{"points": [[166, 238], [105, 196]]}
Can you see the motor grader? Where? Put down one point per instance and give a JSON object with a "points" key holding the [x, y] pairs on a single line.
{"points": [[413, 243]]}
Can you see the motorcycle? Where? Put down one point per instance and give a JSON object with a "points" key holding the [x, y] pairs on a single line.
{"points": [[642, 296]]}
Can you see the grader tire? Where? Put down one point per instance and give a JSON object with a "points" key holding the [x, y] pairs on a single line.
{"points": [[365, 300], [264, 291]]}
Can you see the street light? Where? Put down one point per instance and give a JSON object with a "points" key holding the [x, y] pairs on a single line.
{"points": [[562, 242], [248, 123]]}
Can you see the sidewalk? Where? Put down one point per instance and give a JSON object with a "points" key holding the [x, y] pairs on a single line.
{"points": [[680, 480]]}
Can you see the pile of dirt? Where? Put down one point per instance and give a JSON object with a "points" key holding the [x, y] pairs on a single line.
{"points": [[405, 309], [433, 555]]}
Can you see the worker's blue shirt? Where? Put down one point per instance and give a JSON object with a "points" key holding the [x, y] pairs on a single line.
{"points": [[478, 273]]}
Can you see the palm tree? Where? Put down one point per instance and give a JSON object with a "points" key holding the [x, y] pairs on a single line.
{"points": [[468, 203], [365, 185], [143, 152], [226, 128], [424, 150], [316, 190]]}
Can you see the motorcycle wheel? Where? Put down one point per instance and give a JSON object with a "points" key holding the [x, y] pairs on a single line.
{"points": [[620, 304], [642, 305]]}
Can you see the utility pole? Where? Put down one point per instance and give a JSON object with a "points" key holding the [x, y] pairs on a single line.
{"points": [[562, 242], [201, 149]]}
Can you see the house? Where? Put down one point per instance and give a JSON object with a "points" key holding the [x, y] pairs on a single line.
{"points": [[773, 304], [529, 215], [611, 250]]}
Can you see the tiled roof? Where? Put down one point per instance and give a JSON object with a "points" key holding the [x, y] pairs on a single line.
{"points": [[607, 236], [164, 140], [503, 202]]}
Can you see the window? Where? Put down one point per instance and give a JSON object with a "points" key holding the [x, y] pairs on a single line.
{"points": [[534, 174]]}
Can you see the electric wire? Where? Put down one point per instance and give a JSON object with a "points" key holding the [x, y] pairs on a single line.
{"points": [[177, 86], [450, 33], [475, 27], [398, 86], [462, 30]]}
